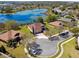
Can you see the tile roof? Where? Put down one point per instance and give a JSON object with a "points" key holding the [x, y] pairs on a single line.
{"points": [[56, 23], [37, 27], [8, 35]]}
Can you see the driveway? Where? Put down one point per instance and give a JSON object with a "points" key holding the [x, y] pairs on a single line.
{"points": [[48, 47]]}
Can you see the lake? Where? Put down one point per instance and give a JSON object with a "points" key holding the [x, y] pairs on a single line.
{"points": [[26, 16]]}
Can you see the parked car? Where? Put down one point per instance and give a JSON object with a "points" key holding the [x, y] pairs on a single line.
{"points": [[34, 45], [64, 35], [54, 38], [34, 49], [38, 51], [35, 52]]}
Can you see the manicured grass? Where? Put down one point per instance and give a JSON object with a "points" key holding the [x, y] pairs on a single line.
{"points": [[51, 29], [24, 29], [27, 35], [69, 50], [19, 51]]}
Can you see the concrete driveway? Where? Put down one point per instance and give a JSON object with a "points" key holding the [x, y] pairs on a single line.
{"points": [[48, 47]]}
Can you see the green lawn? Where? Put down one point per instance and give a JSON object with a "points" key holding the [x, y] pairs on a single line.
{"points": [[25, 30], [19, 51], [69, 50], [26, 34], [51, 29]]}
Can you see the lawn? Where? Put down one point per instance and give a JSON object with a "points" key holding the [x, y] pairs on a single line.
{"points": [[19, 51], [69, 50], [25, 30], [26, 34], [51, 29]]}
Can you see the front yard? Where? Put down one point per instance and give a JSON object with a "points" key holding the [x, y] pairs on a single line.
{"points": [[19, 51], [69, 50]]}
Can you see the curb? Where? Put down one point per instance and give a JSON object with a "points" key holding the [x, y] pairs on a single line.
{"points": [[62, 50]]}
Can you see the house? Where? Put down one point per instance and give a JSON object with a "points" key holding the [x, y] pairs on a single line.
{"points": [[69, 21], [8, 35], [65, 19], [57, 23], [59, 11], [36, 28], [63, 13], [56, 10]]}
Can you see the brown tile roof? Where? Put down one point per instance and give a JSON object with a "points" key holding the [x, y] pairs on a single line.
{"points": [[56, 23], [8, 35], [37, 27]]}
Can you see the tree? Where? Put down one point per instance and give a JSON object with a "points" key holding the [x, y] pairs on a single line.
{"points": [[51, 18], [8, 10], [40, 19], [74, 22], [9, 24], [3, 50], [75, 30], [69, 16], [9, 43]]}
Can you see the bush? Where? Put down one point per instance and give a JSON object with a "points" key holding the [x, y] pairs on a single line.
{"points": [[77, 48]]}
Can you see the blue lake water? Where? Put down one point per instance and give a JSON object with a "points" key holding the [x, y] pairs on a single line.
{"points": [[26, 16]]}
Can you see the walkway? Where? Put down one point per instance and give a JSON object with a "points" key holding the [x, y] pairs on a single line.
{"points": [[62, 50], [5, 55]]}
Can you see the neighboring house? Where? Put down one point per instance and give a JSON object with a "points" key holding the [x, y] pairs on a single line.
{"points": [[57, 24], [70, 22], [36, 28], [8, 35], [64, 13], [59, 11], [66, 19], [56, 10]]}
